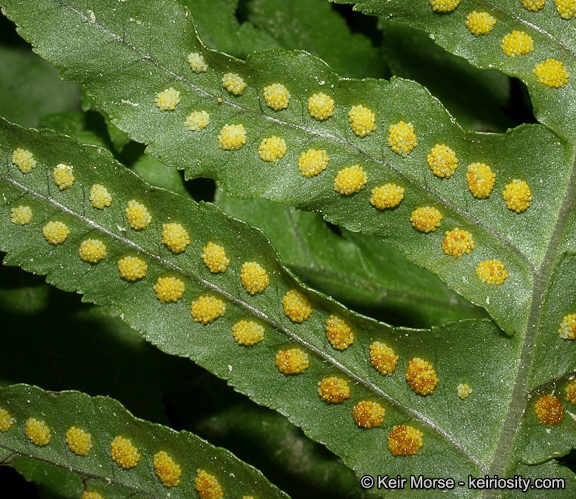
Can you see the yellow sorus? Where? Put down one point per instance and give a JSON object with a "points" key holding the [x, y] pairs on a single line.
{"points": [[552, 72], [100, 197], [517, 43], [197, 121], [92, 250], [321, 106], [292, 361], [6, 420], [296, 306], [21, 215], [272, 149], [78, 441], [383, 358], [277, 96], [166, 469], [566, 8], [350, 180], [480, 23], [24, 160], [233, 83], [362, 120], [567, 330], [549, 409], [312, 162], [132, 268], [169, 289], [481, 180], [168, 99], [464, 390], [421, 376], [37, 432], [197, 62], [442, 160], [401, 138], [232, 137], [207, 309], [517, 195], [444, 5], [491, 272], [175, 237], [254, 277], [339, 333], [570, 390], [123, 453], [56, 232], [215, 258], [63, 176], [404, 440], [533, 5], [333, 390], [91, 495], [387, 196], [457, 242], [368, 414], [247, 333], [426, 219], [137, 215], [208, 486]]}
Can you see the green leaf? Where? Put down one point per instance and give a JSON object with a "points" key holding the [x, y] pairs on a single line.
{"points": [[311, 25], [90, 128], [52, 482], [518, 240], [23, 295], [478, 99], [84, 127], [466, 352], [509, 363], [49, 337], [552, 37], [159, 175], [44, 323], [218, 23], [314, 26], [30, 88], [287, 455], [360, 271], [105, 419]]}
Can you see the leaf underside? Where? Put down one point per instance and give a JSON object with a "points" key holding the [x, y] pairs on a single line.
{"points": [[105, 419], [508, 362], [250, 369]]}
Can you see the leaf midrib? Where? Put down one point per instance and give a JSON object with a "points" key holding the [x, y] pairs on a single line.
{"points": [[542, 274], [533, 26], [541, 278], [472, 220], [16, 453], [238, 301]]}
